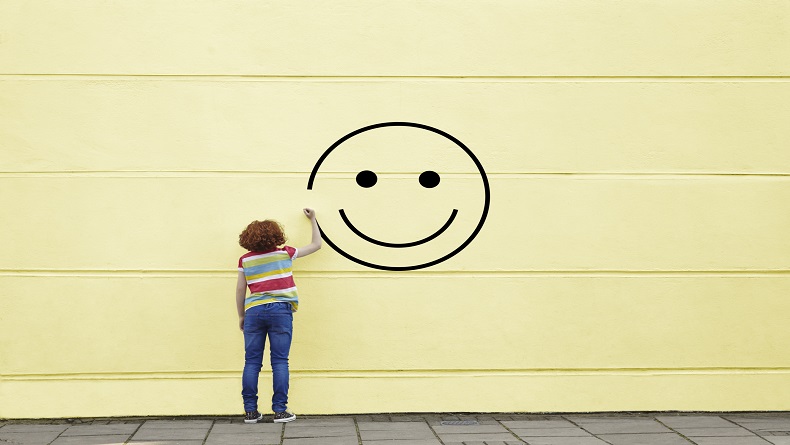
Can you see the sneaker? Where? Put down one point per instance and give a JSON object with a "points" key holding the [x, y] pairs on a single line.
{"points": [[284, 416], [253, 417]]}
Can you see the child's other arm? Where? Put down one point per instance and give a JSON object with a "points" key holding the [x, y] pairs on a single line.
{"points": [[316, 242], [241, 293]]}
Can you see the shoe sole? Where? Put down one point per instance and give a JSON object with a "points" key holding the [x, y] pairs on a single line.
{"points": [[289, 419], [254, 420]]}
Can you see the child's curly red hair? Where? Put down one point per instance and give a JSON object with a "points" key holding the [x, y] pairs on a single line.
{"points": [[261, 236]]}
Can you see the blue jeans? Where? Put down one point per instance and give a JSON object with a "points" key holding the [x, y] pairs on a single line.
{"points": [[276, 321]]}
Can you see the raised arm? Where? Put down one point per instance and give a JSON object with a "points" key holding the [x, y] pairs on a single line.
{"points": [[315, 244]]}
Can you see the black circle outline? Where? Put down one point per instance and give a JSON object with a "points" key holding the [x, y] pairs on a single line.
{"points": [[423, 127]]}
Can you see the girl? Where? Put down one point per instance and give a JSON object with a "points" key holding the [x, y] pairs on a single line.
{"points": [[268, 310]]}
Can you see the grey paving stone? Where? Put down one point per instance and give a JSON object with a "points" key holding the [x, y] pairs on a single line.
{"points": [[398, 434], [173, 424], [380, 418], [475, 443], [391, 426], [748, 419], [499, 417], [116, 439], [489, 419], [170, 434], [721, 432], [467, 417], [778, 440], [166, 442], [549, 432], [636, 426], [767, 430], [469, 429], [296, 431], [760, 415], [243, 439], [405, 418], [765, 425], [29, 437], [526, 417], [554, 423], [342, 440], [430, 419], [33, 428], [694, 421], [433, 441], [323, 421], [772, 430], [100, 430], [607, 418], [475, 436], [565, 441], [244, 428], [754, 440], [645, 439]]}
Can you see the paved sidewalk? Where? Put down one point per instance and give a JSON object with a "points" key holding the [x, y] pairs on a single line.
{"points": [[415, 429]]}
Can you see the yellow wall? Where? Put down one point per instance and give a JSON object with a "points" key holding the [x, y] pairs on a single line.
{"points": [[635, 256]]}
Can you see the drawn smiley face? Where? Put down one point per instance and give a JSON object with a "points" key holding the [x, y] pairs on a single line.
{"points": [[462, 222]]}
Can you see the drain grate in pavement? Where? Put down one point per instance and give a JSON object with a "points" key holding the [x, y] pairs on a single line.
{"points": [[460, 422]]}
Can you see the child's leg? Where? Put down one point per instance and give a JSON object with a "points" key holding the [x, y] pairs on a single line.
{"points": [[280, 334], [254, 342]]}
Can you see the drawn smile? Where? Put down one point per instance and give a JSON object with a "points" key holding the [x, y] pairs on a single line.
{"points": [[386, 244]]}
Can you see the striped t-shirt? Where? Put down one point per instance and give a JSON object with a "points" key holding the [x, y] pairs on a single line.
{"points": [[269, 277]]}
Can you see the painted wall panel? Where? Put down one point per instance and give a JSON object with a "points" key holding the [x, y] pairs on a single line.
{"points": [[369, 322], [184, 223], [407, 392], [593, 125], [409, 38]]}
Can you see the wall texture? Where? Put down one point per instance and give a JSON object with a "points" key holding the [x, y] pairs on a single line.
{"points": [[636, 255]]}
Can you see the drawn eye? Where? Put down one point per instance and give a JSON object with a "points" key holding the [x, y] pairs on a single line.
{"points": [[366, 179], [429, 179]]}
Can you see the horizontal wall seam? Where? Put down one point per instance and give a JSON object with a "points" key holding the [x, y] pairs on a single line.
{"points": [[428, 373], [393, 78], [157, 174], [217, 273]]}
